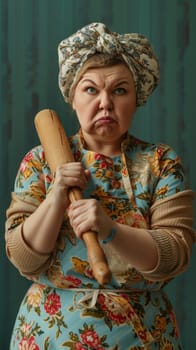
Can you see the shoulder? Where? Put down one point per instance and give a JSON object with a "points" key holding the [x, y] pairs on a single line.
{"points": [[156, 166], [34, 173], [34, 156], [159, 151], [34, 161], [158, 159]]}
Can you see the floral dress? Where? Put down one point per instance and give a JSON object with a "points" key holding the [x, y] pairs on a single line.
{"points": [[65, 308]]}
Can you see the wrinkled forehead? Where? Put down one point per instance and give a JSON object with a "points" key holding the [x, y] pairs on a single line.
{"points": [[106, 76], [103, 65]]}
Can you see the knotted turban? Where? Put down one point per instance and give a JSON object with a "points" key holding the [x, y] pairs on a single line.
{"points": [[134, 48]]}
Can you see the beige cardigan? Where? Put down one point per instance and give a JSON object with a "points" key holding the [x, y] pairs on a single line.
{"points": [[171, 227]]}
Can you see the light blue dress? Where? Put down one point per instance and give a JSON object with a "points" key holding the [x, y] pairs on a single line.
{"points": [[65, 308]]}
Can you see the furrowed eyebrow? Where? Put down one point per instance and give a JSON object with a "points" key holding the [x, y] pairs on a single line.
{"points": [[87, 81], [118, 83], [122, 83]]}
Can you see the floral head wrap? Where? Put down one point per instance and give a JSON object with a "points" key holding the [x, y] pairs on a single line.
{"points": [[94, 38]]}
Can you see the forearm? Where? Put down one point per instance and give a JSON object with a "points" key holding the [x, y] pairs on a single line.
{"points": [[136, 246], [41, 229], [26, 260], [172, 234]]}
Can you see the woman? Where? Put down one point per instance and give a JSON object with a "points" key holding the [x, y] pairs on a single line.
{"points": [[135, 199]]}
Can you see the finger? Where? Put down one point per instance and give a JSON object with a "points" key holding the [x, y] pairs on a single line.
{"points": [[75, 167], [70, 178], [81, 225], [83, 217], [86, 204]]}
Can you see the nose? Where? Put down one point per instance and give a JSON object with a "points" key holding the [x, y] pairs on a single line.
{"points": [[106, 102]]}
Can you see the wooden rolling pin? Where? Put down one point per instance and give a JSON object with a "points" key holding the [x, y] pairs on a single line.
{"points": [[57, 151]]}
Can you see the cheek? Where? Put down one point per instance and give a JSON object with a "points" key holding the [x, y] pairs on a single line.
{"points": [[78, 106], [86, 108], [83, 114], [127, 109], [127, 114]]}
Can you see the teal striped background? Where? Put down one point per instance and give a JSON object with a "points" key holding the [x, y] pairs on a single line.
{"points": [[30, 31]]}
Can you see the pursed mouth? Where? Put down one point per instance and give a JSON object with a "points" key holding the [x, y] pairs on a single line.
{"points": [[105, 120]]}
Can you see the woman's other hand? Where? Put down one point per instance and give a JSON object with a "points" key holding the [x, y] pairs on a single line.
{"points": [[88, 215], [68, 175]]}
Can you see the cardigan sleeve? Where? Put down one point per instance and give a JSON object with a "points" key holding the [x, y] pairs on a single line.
{"points": [[172, 229], [32, 182], [27, 261]]}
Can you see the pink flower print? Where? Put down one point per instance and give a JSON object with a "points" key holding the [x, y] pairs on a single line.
{"points": [[28, 344], [105, 162], [52, 304], [91, 339], [160, 151], [78, 346], [142, 334], [98, 156], [120, 220], [26, 329], [104, 165], [28, 157], [117, 308], [74, 282], [48, 178]]}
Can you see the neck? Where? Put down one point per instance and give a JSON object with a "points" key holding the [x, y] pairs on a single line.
{"points": [[107, 147]]}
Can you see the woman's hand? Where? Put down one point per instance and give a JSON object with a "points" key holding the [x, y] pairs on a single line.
{"points": [[68, 175], [41, 229], [87, 215]]}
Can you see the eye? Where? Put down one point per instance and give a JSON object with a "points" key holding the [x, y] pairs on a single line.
{"points": [[91, 90], [120, 91]]}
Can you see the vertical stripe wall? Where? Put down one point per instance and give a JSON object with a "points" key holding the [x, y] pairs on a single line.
{"points": [[30, 31]]}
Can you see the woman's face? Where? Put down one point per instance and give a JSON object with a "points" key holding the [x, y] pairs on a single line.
{"points": [[105, 102]]}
